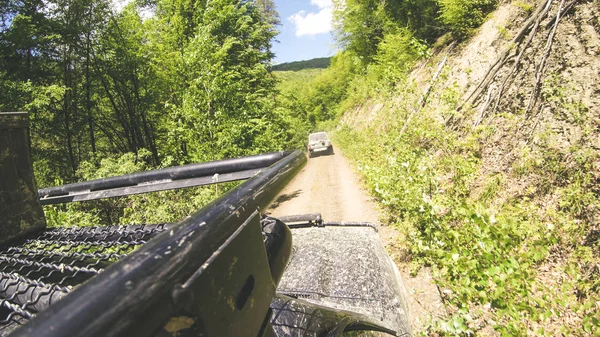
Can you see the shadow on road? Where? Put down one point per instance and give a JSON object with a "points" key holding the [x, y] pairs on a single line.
{"points": [[285, 197]]}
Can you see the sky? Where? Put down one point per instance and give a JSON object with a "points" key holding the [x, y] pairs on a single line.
{"points": [[305, 31]]}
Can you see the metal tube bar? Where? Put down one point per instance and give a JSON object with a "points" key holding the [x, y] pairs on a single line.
{"points": [[135, 296], [293, 225], [166, 174], [316, 217], [147, 187], [350, 224]]}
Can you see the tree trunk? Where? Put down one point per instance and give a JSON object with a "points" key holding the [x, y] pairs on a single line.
{"points": [[88, 102], [20, 209]]}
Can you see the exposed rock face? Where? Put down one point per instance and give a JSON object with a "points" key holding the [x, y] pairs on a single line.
{"points": [[20, 210]]}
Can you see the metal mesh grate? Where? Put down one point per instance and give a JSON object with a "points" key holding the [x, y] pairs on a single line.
{"points": [[40, 270]]}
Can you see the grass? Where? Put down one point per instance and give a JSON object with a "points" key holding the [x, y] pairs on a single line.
{"points": [[526, 263]]}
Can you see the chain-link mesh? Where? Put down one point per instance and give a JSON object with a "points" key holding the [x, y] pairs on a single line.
{"points": [[40, 270]]}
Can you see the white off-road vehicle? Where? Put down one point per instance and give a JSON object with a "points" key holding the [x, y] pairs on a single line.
{"points": [[319, 143]]}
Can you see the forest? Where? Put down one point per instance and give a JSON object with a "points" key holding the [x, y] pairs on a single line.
{"points": [[112, 89], [316, 63], [482, 191], [183, 80]]}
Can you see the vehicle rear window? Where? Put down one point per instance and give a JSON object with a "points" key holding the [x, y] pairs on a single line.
{"points": [[315, 137]]}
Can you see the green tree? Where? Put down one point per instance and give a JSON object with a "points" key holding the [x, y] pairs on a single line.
{"points": [[360, 26], [224, 108], [462, 16], [45, 50], [127, 79], [418, 16]]}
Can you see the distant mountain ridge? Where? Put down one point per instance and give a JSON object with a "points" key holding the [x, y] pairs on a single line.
{"points": [[316, 63]]}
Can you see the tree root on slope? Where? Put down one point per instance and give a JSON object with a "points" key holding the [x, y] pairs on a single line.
{"points": [[540, 13], [491, 95]]}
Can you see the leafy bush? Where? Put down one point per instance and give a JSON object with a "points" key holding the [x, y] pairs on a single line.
{"points": [[310, 97], [397, 54], [462, 16]]}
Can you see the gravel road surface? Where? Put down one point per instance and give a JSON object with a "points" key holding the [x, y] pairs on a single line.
{"points": [[328, 186]]}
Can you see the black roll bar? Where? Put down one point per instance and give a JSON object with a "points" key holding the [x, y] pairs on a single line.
{"points": [[159, 180], [168, 275]]}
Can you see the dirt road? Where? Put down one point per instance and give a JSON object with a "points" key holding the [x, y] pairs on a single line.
{"points": [[328, 185]]}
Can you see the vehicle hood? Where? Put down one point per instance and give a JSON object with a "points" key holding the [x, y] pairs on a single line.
{"points": [[346, 268]]}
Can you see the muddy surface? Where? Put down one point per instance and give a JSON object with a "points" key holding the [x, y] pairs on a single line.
{"points": [[328, 185]]}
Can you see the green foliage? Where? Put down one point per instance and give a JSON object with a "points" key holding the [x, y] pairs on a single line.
{"points": [[491, 187], [397, 54], [462, 16], [527, 7], [313, 96], [478, 254], [329, 88], [316, 63], [290, 81], [362, 26], [560, 95], [225, 109]]}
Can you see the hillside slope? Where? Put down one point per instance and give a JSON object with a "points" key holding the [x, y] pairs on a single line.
{"points": [[487, 160], [316, 63]]}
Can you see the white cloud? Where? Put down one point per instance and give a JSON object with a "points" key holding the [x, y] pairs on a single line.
{"points": [[313, 23], [322, 3]]}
